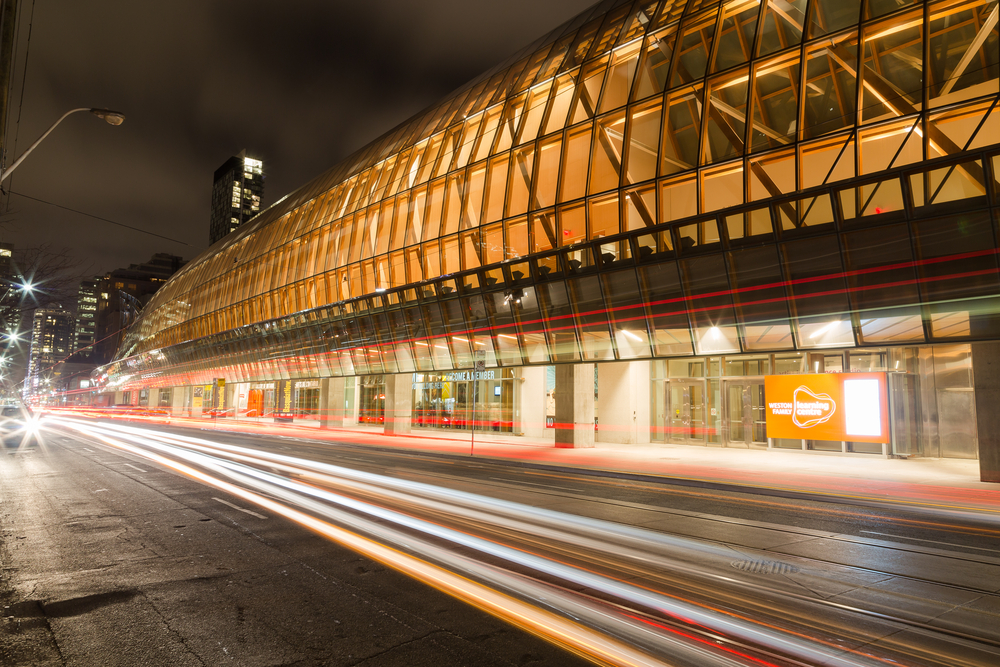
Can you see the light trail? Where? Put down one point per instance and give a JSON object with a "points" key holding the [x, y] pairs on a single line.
{"points": [[402, 524]]}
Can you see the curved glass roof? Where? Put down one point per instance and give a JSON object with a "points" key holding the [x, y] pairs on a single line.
{"points": [[633, 114]]}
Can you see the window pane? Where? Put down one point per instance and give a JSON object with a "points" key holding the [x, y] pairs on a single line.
{"points": [[724, 131], [775, 103], [644, 133], [886, 298]]}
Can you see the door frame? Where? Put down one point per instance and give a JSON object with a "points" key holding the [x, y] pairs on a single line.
{"points": [[672, 438], [746, 411]]}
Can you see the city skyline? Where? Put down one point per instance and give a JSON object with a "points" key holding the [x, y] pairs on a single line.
{"points": [[316, 93]]}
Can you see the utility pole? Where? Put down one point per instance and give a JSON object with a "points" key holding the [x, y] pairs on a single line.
{"points": [[8, 27]]}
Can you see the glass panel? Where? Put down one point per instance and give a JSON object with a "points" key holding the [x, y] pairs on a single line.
{"points": [[559, 318], [964, 51], [722, 187], [695, 45], [520, 180], [606, 161], [565, 88], [619, 83], [661, 287], [890, 145], [872, 199], [526, 307], [517, 238], [808, 212], [548, 172], [818, 292], [739, 25], [893, 68], [543, 236], [960, 283], [576, 159], [655, 64], [755, 223], [951, 130], [589, 91], [826, 161], [644, 132], [831, 84], [503, 328], [701, 235], [775, 104], [604, 218], [726, 123], [681, 129], [595, 335], [679, 199], [572, 224], [760, 299], [828, 16], [474, 198], [627, 315], [537, 100], [782, 25], [956, 182], [772, 175], [640, 208], [497, 189], [881, 279], [711, 304]]}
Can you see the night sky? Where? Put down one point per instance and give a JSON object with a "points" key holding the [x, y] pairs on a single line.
{"points": [[298, 84]]}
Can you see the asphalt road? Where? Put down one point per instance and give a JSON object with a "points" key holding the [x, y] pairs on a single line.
{"points": [[110, 558]]}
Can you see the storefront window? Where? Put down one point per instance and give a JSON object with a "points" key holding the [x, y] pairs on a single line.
{"points": [[463, 400]]}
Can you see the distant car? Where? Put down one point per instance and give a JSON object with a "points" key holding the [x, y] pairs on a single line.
{"points": [[18, 425]]}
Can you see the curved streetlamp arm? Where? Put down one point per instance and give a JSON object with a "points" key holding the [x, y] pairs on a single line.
{"points": [[32, 147]]}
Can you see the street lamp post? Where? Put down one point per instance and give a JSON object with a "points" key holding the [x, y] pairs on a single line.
{"points": [[112, 118]]}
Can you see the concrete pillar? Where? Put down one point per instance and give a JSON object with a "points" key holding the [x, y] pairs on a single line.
{"points": [[331, 402], [398, 403], [623, 402], [574, 405], [533, 401], [986, 384], [353, 385], [178, 400]]}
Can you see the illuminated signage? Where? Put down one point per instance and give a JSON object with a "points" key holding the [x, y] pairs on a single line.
{"points": [[827, 406]]}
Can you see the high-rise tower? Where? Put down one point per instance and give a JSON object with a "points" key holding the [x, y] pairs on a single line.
{"points": [[236, 193]]}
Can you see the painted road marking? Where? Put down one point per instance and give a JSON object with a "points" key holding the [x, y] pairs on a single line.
{"points": [[134, 467], [917, 539], [237, 507]]}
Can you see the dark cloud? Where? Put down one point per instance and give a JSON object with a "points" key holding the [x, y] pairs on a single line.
{"points": [[300, 84]]}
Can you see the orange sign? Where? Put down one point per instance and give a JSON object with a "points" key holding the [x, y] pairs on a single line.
{"points": [[827, 406]]}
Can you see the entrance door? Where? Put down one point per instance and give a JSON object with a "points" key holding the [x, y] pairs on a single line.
{"points": [[255, 403], [686, 411], [743, 412]]}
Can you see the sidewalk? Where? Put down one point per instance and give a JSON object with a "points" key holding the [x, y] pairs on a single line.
{"points": [[946, 484]]}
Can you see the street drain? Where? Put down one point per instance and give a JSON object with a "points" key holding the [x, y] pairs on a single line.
{"points": [[764, 567]]}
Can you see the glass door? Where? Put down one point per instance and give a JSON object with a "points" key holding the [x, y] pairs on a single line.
{"points": [[744, 423], [686, 411]]}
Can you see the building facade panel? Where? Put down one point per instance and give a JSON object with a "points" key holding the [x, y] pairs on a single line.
{"points": [[651, 180]]}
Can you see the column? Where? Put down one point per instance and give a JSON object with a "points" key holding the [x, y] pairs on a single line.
{"points": [[532, 401], [398, 403], [574, 405], [986, 384], [331, 403], [623, 402], [352, 400], [178, 400]]}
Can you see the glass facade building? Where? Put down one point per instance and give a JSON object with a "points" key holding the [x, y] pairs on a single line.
{"points": [[705, 190]]}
